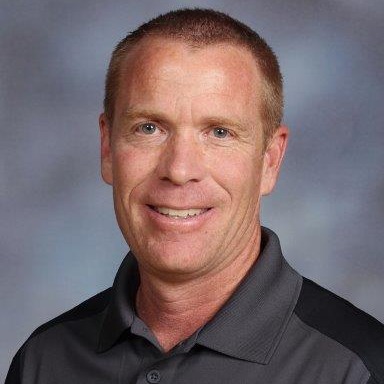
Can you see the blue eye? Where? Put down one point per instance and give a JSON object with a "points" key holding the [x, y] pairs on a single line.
{"points": [[220, 133], [148, 128]]}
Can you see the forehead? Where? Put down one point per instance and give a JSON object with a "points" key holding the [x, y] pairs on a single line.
{"points": [[175, 69]]}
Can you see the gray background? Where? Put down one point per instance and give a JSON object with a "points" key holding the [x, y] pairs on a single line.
{"points": [[59, 240]]}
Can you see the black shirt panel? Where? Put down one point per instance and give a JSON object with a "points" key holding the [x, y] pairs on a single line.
{"points": [[372, 381], [342, 321], [66, 353]]}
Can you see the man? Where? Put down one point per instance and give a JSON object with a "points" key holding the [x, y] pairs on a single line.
{"points": [[191, 138]]}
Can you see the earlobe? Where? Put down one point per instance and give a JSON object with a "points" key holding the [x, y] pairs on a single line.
{"points": [[273, 158], [105, 150]]}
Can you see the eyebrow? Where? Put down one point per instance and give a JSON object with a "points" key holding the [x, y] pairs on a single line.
{"points": [[132, 114], [225, 122]]}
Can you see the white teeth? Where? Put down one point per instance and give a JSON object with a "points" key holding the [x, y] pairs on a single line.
{"points": [[183, 213]]}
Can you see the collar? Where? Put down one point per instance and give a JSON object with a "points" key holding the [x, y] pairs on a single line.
{"points": [[119, 313], [250, 324]]}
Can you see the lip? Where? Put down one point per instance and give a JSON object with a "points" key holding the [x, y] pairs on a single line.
{"points": [[187, 224], [158, 207]]}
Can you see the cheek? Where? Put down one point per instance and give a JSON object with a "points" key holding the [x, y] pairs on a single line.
{"points": [[132, 166], [238, 174]]}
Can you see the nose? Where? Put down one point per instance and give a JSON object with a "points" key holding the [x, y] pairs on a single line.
{"points": [[182, 160]]}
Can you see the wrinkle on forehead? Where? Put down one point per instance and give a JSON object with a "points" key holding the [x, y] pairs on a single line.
{"points": [[186, 79], [147, 57]]}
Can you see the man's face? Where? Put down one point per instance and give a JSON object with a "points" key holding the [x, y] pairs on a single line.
{"points": [[185, 156]]}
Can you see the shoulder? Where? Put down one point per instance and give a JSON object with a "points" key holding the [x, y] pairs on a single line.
{"points": [[87, 308], [344, 323], [47, 337]]}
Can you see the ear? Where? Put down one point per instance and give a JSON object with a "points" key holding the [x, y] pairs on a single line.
{"points": [[105, 150], [273, 158]]}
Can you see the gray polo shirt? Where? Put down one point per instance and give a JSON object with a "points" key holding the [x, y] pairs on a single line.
{"points": [[277, 328]]}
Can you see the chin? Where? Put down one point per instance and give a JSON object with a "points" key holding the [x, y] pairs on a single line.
{"points": [[173, 258]]}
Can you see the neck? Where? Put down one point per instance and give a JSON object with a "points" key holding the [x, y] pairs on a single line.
{"points": [[174, 311]]}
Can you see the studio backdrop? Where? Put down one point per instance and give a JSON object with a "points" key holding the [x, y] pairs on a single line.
{"points": [[60, 243]]}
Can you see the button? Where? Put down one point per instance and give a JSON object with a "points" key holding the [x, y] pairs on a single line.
{"points": [[153, 376]]}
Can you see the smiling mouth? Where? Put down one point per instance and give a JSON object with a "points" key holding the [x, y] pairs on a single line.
{"points": [[179, 213]]}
